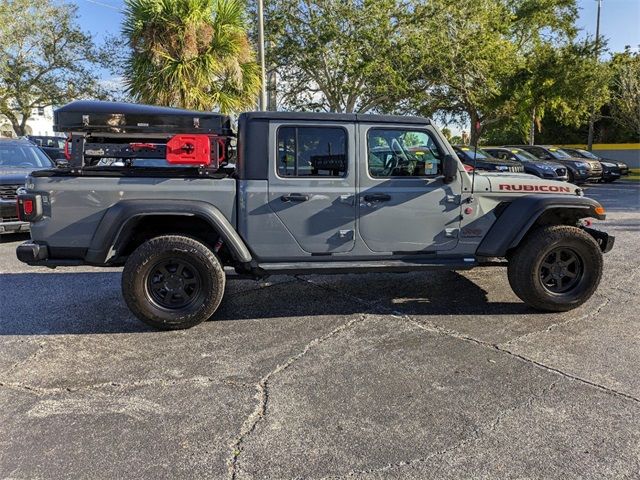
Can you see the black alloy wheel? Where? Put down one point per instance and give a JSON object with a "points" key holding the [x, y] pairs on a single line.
{"points": [[561, 270], [174, 284]]}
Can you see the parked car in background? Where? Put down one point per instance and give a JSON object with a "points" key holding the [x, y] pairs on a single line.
{"points": [[531, 164], [611, 168], [481, 160], [581, 170], [18, 158], [52, 146]]}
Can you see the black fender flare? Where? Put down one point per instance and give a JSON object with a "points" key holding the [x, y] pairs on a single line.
{"points": [[519, 216], [119, 220]]}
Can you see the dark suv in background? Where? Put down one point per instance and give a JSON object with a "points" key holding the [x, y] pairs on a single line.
{"points": [[481, 160], [18, 158], [612, 169], [580, 170], [52, 146], [531, 164]]}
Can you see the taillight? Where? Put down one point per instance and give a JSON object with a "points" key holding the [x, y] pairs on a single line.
{"points": [[29, 207]]}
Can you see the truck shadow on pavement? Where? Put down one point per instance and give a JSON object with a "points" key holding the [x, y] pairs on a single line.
{"points": [[91, 302]]}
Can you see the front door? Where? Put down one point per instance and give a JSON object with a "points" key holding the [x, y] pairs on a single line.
{"points": [[404, 205], [312, 187]]}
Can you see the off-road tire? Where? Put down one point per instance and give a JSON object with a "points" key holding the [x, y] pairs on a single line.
{"points": [[526, 269], [140, 277]]}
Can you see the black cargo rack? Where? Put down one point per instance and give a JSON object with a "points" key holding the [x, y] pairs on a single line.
{"points": [[126, 132]]}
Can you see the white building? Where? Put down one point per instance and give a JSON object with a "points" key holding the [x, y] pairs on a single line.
{"points": [[39, 123]]}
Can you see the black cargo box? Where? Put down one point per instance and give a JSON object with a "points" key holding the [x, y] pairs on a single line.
{"points": [[92, 116]]}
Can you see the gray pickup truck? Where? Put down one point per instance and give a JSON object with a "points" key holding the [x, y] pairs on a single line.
{"points": [[293, 193]]}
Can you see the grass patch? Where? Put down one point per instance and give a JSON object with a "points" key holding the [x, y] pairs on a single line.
{"points": [[634, 174]]}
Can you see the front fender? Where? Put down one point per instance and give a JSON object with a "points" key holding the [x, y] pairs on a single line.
{"points": [[119, 220], [522, 213]]}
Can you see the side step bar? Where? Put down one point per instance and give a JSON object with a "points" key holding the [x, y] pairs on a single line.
{"points": [[368, 266]]}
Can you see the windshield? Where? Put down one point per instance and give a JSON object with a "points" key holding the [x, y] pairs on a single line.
{"points": [[471, 153], [23, 156], [587, 154], [524, 156], [559, 153]]}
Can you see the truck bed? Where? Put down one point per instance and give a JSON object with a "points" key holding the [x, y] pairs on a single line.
{"points": [[75, 203]]}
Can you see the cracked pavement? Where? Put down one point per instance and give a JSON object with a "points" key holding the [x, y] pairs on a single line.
{"points": [[412, 376]]}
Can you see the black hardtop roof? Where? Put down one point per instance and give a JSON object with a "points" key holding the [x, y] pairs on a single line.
{"points": [[335, 117]]}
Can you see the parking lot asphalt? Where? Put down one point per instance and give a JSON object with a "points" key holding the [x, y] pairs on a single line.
{"points": [[425, 375]]}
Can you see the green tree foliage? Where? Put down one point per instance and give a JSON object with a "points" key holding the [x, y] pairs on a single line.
{"points": [[344, 55], [479, 60], [566, 81], [469, 50], [625, 85], [190, 54], [491, 55], [45, 59]]}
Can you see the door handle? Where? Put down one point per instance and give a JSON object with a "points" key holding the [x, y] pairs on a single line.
{"points": [[377, 197], [294, 197]]}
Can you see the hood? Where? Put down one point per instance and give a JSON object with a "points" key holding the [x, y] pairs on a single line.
{"points": [[14, 176], [521, 184], [548, 163]]}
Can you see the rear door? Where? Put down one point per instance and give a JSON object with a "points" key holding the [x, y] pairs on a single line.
{"points": [[404, 204], [312, 184]]}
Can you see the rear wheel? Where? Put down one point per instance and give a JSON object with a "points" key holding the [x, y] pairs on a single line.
{"points": [[173, 282], [557, 268]]}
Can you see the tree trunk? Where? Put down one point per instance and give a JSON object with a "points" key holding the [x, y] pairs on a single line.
{"points": [[18, 128], [532, 127]]}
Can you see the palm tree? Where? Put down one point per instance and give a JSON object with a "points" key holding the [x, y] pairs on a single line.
{"points": [[190, 54]]}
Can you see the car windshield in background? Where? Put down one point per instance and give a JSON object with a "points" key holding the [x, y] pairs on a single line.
{"points": [[587, 154], [559, 153], [473, 153], [23, 156], [524, 156]]}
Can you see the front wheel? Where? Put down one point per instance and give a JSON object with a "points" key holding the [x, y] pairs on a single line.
{"points": [[173, 282], [556, 268]]}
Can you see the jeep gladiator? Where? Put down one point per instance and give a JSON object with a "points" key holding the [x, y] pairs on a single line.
{"points": [[293, 193]]}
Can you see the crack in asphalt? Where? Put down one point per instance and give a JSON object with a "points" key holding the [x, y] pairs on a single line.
{"points": [[478, 433], [434, 328], [262, 394], [31, 357], [49, 391], [592, 313]]}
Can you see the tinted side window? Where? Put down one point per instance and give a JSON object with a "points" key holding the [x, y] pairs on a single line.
{"points": [[501, 154], [402, 153], [312, 152]]}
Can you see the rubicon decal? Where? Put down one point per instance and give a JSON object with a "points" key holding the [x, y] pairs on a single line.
{"points": [[534, 188]]}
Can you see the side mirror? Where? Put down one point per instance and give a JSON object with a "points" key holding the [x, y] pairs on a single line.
{"points": [[61, 162], [449, 168]]}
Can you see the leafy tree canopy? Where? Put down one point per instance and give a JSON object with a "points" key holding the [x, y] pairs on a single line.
{"points": [[625, 86], [45, 59], [345, 55]]}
